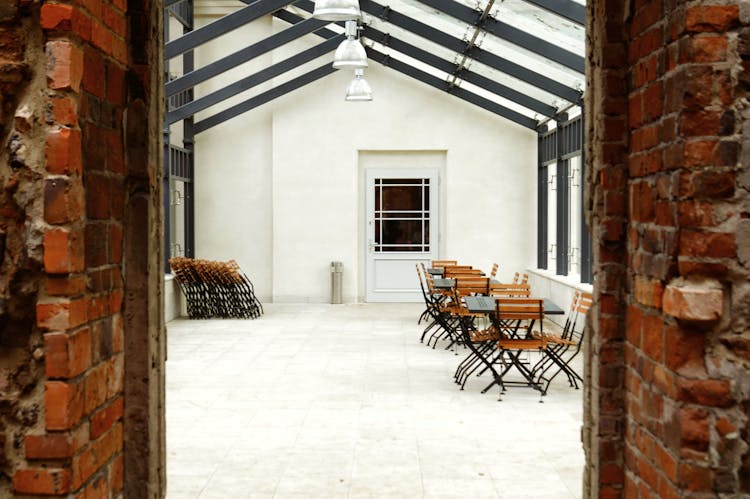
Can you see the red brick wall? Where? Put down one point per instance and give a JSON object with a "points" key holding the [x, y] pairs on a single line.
{"points": [[669, 354], [78, 53]]}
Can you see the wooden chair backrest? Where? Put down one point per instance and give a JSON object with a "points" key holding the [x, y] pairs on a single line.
{"points": [[510, 290], [525, 279], [516, 276], [519, 309], [584, 302], [450, 272], [493, 272], [436, 264], [472, 285]]}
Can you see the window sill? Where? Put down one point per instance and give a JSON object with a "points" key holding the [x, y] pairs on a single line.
{"points": [[573, 281]]}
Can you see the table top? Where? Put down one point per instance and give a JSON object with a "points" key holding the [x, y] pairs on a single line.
{"points": [[443, 283], [486, 305]]}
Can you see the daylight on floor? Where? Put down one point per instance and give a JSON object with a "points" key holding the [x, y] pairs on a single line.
{"points": [[374, 248], [379, 265]]}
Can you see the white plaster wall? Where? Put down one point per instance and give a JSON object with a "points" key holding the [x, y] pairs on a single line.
{"points": [[174, 302], [233, 165], [279, 189]]}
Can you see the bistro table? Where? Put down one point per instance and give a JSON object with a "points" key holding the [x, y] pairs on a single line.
{"points": [[436, 271], [486, 305]]}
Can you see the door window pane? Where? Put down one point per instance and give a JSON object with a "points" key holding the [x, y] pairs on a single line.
{"points": [[402, 217]]}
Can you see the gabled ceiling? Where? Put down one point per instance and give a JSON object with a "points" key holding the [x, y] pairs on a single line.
{"points": [[520, 59]]}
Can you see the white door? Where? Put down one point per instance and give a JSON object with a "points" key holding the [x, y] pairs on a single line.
{"points": [[401, 230]]}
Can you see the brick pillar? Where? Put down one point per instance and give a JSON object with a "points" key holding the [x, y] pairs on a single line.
{"points": [[667, 402], [606, 185], [80, 69]]}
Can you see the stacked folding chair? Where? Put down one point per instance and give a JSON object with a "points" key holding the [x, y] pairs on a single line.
{"points": [[216, 289]]}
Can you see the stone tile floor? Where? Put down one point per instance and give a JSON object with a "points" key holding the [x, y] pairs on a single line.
{"points": [[343, 401]]}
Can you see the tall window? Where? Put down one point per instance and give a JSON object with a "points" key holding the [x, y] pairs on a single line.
{"points": [[551, 216], [574, 216], [566, 250]]}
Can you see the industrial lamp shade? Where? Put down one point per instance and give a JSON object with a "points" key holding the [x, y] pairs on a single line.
{"points": [[358, 89], [336, 10], [350, 54]]}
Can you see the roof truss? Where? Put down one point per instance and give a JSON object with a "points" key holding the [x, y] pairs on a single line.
{"points": [[455, 72]]}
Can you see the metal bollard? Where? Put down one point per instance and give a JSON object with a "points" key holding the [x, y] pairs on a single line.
{"points": [[337, 269]]}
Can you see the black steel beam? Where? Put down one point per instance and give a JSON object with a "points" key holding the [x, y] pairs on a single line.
{"points": [[177, 14], [439, 63], [221, 26], [457, 45], [243, 55], [510, 33], [253, 80], [440, 84], [542, 215], [263, 98], [450, 68], [568, 9]]}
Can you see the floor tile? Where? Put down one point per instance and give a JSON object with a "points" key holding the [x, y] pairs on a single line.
{"points": [[343, 401]]}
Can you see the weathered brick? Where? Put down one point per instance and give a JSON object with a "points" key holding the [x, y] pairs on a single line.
{"points": [[66, 285], [61, 314], [707, 244], [42, 481], [708, 392], [95, 387], [64, 65], [103, 420], [63, 200], [48, 446], [56, 16], [711, 18], [684, 350], [694, 302], [63, 404], [63, 151], [97, 455], [708, 48], [94, 76], [63, 251], [63, 111], [98, 196], [67, 355]]}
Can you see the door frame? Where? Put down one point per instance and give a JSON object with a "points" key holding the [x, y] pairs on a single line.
{"points": [[370, 173]]}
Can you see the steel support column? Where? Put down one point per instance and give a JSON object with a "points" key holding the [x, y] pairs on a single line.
{"points": [[542, 207], [563, 201]]}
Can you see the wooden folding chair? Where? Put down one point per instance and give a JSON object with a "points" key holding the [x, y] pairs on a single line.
{"points": [[436, 264], [565, 346], [513, 315], [494, 270]]}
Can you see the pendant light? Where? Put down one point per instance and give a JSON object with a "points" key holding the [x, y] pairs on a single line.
{"points": [[358, 89], [350, 53], [336, 10]]}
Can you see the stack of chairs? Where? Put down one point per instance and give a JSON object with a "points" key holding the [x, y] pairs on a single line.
{"points": [[216, 289]]}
